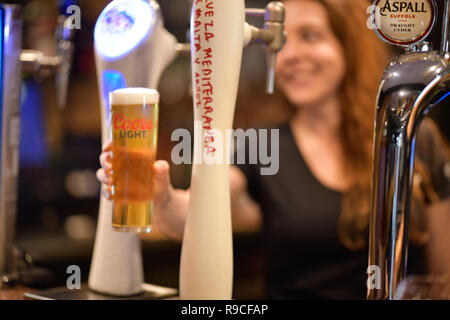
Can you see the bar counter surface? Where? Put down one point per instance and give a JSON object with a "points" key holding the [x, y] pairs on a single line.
{"points": [[14, 293]]}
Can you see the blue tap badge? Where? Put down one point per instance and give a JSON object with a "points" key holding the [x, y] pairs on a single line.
{"points": [[111, 80], [122, 26], [2, 38]]}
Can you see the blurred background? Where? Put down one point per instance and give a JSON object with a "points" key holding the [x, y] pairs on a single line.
{"points": [[59, 151]]}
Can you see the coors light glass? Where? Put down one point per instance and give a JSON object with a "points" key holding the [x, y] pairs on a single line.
{"points": [[133, 122]]}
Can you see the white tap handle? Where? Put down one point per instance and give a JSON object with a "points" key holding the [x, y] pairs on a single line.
{"points": [[160, 54], [217, 38], [116, 266]]}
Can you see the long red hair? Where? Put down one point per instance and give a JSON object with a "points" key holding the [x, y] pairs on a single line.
{"points": [[366, 58]]}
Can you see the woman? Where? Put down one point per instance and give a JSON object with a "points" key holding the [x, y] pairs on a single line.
{"points": [[314, 212]]}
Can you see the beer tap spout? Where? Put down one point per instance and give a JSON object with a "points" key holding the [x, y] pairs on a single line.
{"points": [[272, 36], [411, 86]]}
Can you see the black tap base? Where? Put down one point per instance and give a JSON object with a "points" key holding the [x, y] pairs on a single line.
{"points": [[150, 292]]}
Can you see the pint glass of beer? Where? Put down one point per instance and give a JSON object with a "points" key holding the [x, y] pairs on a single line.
{"points": [[133, 123]]}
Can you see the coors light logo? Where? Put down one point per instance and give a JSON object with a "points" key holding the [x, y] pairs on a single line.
{"points": [[131, 128], [404, 22]]}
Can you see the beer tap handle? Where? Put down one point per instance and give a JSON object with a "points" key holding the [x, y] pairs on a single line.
{"points": [[272, 36]]}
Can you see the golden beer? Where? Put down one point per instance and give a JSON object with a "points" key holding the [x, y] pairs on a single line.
{"points": [[134, 132]]}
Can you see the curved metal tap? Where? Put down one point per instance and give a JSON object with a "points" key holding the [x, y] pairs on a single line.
{"points": [[272, 36], [411, 86]]}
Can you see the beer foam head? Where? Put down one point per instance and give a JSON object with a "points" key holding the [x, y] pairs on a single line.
{"points": [[134, 96]]}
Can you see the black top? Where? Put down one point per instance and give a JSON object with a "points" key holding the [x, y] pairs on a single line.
{"points": [[304, 257]]}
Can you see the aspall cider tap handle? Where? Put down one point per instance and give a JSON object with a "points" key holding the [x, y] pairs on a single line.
{"points": [[412, 85], [217, 34]]}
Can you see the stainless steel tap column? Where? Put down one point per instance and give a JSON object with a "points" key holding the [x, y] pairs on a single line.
{"points": [[10, 67], [12, 61], [272, 36], [411, 86]]}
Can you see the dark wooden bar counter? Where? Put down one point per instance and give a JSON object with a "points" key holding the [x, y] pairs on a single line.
{"points": [[14, 293]]}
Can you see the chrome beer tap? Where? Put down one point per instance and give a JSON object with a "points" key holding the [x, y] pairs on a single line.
{"points": [[272, 36], [10, 44], [411, 86], [13, 60], [39, 64]]}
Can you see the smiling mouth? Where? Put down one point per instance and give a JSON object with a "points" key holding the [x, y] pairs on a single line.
{"points": [[300, 79], [300, 75]]}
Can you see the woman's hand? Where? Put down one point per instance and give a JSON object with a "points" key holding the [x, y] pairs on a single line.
{"points": [[160, 168], [167, 202], [104, 174], [170, 205]]}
